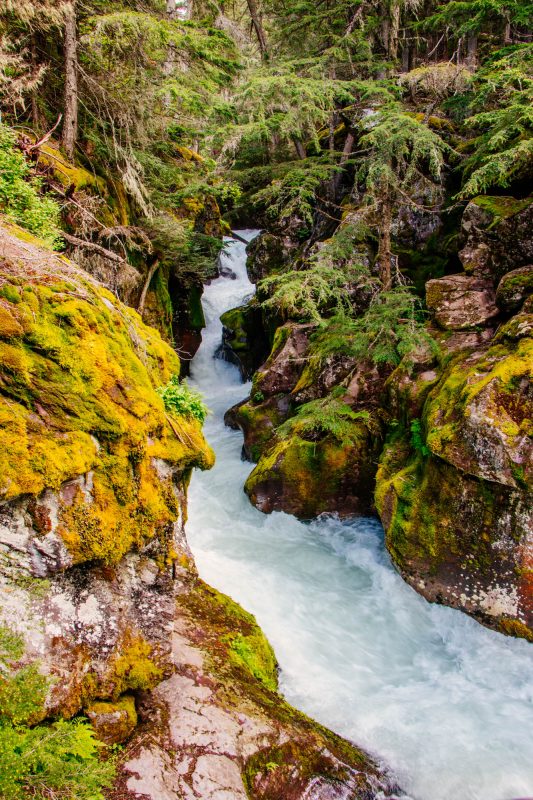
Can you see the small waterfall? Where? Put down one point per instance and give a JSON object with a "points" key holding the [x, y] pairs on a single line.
{"points": [[446, 703]]}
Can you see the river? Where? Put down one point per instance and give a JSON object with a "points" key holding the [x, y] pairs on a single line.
{"points": [[445, 704]]}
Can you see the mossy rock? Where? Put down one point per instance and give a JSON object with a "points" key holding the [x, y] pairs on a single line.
{"points": [[514, 289], [457, 539], [78, 379], [309, 478], [113, 722]]}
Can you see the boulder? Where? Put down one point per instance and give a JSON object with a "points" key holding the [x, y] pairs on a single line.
{"points": [[459, 302], [287, 360], [308, 478], [244, 341], [454, 485], [496, 232], [514, 289], [113, 722], [268, 254]]}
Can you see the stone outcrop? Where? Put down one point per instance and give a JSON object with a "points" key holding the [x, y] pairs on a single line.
{"points": [[95, 573], [454, 483], [92, 480], [460, 302], [216, 728]]}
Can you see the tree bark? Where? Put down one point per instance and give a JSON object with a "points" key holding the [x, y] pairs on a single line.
{"points": [[471, 51], [300, 148], [151, 273], [384, 250], [258, 27], [70, 119]]}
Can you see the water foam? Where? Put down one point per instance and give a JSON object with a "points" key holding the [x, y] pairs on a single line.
{"points": [[446, 704]]}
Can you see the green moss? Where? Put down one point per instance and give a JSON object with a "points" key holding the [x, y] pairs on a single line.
{"points": [[135, 668], [255, 654], [501, 207], [241, 644]]}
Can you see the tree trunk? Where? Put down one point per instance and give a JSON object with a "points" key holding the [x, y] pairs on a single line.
{"points": [[300, 149], [471, 51], [258, 27], [394, 31], [150, 275], [70, 119], [384, 250]]}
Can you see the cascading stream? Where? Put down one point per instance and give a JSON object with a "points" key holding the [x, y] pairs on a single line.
{"points": [[446, 704]]}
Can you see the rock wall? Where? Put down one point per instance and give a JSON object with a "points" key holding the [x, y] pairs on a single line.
{"points": [[95, 572], [448, 458]]}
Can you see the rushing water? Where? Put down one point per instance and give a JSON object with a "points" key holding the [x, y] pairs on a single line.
{"points": [[446, 704]]}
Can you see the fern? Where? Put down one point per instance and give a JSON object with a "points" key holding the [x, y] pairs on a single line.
{"points": [[182, 401]]}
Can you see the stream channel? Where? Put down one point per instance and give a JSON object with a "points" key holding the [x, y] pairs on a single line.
{"points": [[443, 703]]}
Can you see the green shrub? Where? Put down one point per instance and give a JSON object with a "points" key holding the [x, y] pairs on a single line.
{"points": [[20, 199], [329, 416], [57, 760], [418, 440], [181, 400]]}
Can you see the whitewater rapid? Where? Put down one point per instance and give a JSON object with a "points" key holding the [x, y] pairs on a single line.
{"points": [[442, 702]]}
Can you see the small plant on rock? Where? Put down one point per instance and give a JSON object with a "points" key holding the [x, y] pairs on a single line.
{"points": [[182, 401]]}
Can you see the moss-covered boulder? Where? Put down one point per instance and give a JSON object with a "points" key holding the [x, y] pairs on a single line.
{"points": [[244, 342], [258, 420], [496, 232], [514, 289], [307, 478], [113, 722], [454, 488], [93, 475]]}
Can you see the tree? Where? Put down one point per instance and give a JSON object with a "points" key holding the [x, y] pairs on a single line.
{"points": [[70, 117], [400, 157]]}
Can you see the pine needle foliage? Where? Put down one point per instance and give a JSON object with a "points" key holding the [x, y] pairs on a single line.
{"points": [[503, 122], [392, 328], [328, 416], [326, 283], [58, 760]]}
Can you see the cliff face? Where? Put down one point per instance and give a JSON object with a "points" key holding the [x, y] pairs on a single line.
{"points": [[95, 572], [92, 479], [452, 424]]}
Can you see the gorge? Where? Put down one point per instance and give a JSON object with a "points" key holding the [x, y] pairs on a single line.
{"points": [[266, 400]]}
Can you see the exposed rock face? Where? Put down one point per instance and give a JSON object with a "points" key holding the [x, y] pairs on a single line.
{"points": [[497, 234], [92, 480], [458, 510], [243, 341], [95, 572], [459, 302], [216, 729]]}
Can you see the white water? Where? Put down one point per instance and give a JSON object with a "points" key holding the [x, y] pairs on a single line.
{"points": [[446, 704]]}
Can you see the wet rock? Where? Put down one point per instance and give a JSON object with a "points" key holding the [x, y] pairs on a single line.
{"points": [[514, 289], [268, 254], [258, 422], [216, 730], [455, 495], [309, 478], [244, 342], [459, 302], [287, 360]]}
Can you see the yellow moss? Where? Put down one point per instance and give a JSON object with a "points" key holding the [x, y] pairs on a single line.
{"points": [[68, 174], [188, 154], [78, 373], [135, 668]]}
